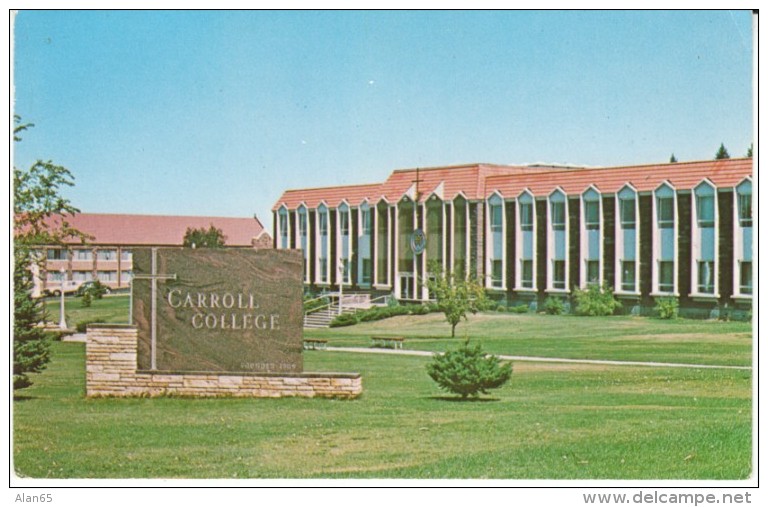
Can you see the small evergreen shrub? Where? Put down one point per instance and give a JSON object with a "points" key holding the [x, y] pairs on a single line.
{"points": [[518, 309], [310, 305], [372, 314], [345, 319], [468, 371], [554, 306], [86, 300], [501, 308], [595, 301], [667, 308], [96, 290]]}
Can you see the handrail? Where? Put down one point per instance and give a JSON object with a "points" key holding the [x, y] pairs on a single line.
{"points": [[315, 310], [318, 297], [385, 297]]}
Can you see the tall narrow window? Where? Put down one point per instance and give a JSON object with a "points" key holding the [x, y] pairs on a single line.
{"points": [[495, 251], [364, 250], [525, 249], [558, 241], [303, 238], [434, 230], [343, 244], [704, 240], [626, 240], [591, 238], [459, 218], [383, 244], [742, 241], [283, 224], [323, 245], [665, 240]]}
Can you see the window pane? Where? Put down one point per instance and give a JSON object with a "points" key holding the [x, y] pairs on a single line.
{"points": [[323, 224], [745, 210], [526, 217], [628, 276], [666, 212], [666, 276], [706, 277], [496, 274], [592, 214], [56, 254], [705, 210], [627, 211], [496, 217], [526, 274], [302, 224], [558, 215], [366, 221], [593, 271], [367, 271], [558, 274], [745, 284], [106, 255], [344, 218]]}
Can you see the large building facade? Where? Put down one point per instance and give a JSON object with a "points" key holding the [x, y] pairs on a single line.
{"points": [[107, 255], [531, 232]]}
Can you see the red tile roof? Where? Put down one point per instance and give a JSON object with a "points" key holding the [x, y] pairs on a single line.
{"points": [[476, 181], [160, 230], [467, 179], [682, 175], [332, 196]]}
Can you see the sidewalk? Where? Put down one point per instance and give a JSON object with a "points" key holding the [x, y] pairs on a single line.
{"points": [[425, 353]]}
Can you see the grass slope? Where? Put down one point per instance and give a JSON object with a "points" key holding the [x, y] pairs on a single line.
{"points": [[550, 422], [617, 338]]}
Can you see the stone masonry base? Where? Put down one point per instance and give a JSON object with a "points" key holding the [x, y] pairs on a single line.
{"points": [[110, 359]]}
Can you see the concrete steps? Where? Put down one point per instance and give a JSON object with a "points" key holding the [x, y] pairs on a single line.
{"points": [[323, 317]]}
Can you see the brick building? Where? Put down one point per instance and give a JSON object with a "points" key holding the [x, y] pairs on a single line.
{"points": [[530, 232], [107, 255]]}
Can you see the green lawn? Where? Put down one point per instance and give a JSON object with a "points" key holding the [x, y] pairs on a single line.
{"points": [[111, 309], [615, 338], [552, 421]]}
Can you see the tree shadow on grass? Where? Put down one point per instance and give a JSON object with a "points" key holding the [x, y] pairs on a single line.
{"points": [[23, 397], [463, 400]]}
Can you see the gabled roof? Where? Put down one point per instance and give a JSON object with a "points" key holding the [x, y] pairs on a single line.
{"points": [[469, 179], [160, 230], [682, 175], [332, 196]]}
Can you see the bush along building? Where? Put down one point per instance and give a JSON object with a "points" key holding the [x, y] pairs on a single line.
{"points": [[681, 230]]}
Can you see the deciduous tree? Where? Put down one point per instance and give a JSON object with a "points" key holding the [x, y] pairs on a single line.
{"points": [[40, 218], [456, 296], [204, 238]]}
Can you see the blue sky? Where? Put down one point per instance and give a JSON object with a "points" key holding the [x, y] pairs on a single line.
{"points": [[216, 113]]}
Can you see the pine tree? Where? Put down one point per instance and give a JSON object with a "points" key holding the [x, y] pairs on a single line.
{"points": [[672, 159], [722, 153], [30, 343], [749, 151]]}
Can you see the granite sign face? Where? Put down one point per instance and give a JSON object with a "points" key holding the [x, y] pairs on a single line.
{"points": [[218, 310]]}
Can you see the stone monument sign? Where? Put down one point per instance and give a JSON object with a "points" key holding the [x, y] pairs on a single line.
{"points": [[218, 310]]}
